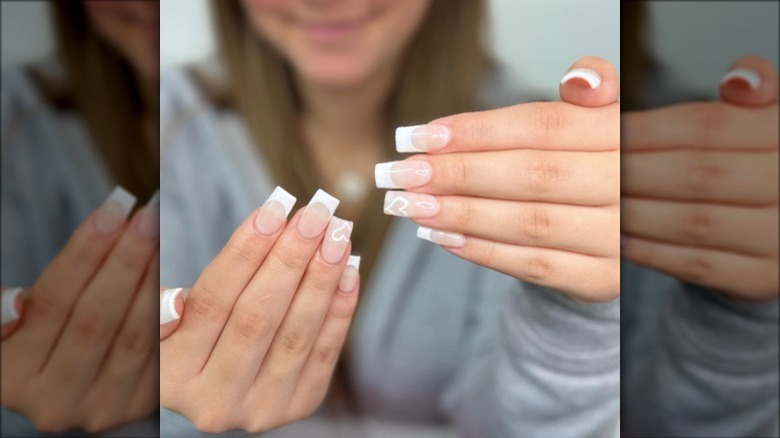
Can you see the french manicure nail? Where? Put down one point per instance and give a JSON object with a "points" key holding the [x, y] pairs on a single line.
{"points": [[168, 311], [413, 205], [421, 138], [149, 222], [113, 213], [274, 211], [444, 238], [591, 77], [350, 276], [9, 312], [317, 214], [745, 75], [336, 239], [402, 174]]}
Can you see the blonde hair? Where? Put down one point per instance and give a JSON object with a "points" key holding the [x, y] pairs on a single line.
{"points": [[442, 67], [100, 85]]}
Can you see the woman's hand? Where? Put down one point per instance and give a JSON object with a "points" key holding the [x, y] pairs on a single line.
{"points": [[532, 190], [82, 355], [262, 328], [700, 187]]}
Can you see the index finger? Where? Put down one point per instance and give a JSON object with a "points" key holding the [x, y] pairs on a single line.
{"points": [[540, 125]]}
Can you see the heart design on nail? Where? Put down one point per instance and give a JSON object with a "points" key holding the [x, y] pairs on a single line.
{"points": [[401, 210], [345, 230]]}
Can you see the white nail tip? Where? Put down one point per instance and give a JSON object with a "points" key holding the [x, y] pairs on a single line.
{"points": [[749, 76], [168, 311], [123, 198], [329, 201], [8, 303], [591, 77], [283, 197], [382, 176], [424, 233], [354, 261], [403, 139]]}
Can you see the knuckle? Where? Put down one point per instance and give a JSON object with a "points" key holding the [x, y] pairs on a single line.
{"points": [[543, 176], [537, 268], [547, 120], [708, 122], [130, 257], [43, 302], [698, 268], [327, 355], [91, 326], [51, 421], [535, 224], [702, 173], [253, 326], [454, 170], [464, 214], [286, 258], [211, 419], [136, 343], [203, 304], [476, 131], [293, 342], [697, 225]]}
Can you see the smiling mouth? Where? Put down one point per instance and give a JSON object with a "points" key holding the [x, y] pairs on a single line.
{"points": [[332, 32]]}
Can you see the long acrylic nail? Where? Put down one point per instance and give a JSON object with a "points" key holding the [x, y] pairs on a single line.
{"points": [[747, 76], [168, 311], [149, 222], [402, 174], [413, 205], [591, 77], [422, 138], [113, 213], [444, 238], [317, 214], [274, 211], [336, 240], [9, 311], [349, 277]]}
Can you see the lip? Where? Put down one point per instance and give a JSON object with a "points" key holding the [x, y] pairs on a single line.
{"points": [[332, 32]]}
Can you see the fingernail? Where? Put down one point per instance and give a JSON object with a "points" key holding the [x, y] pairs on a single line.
{"points": [[274, 211], [113, 213], [414, 205], [421, 138], [402, 174], [317, 214], [9, 310], [454, 240], [350, 276], [747, 76], [336, 239], [149, 222], [168, 311], [591, 77]]}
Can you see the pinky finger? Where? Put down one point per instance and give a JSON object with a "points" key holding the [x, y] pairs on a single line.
{"points": [[583, 277], [318, 369], [12, 307], [741, 276], [171, 309]]}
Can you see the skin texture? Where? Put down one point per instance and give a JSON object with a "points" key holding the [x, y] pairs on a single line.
{"points": [[260, 334], [82, 358], [133, 29], [700, 188], [535, 188]]}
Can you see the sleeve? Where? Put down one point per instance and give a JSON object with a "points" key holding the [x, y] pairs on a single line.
{"points": [[711, 370], [552, 369]]}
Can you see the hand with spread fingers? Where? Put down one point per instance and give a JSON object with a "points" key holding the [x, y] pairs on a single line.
{"points": [[700, 186], [78, 348], [254, 344], [531, 190]]}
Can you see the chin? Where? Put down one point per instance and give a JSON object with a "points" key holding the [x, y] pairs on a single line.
{"points": [[335, 75]]}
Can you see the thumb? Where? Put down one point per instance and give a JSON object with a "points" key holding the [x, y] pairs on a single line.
{"points": [[11, 307], [591, 81], [171, 310], [751, 81]]}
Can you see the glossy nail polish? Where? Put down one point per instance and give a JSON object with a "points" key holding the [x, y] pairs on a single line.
{"points": [[412, 205], [168, 311], [271, 216], [402, 174], [591, 77], [444, 238], [350, 276], [113, 213], [317, 214], [747, 76], [421, 138], [336, 240], [149, 221]]}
